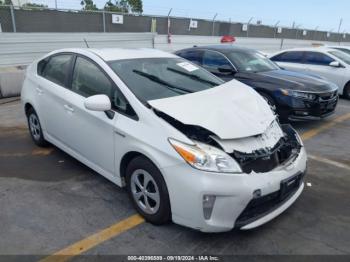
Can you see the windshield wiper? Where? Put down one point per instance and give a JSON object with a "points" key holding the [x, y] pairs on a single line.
{"points": [[195, 77], [161, 81]]}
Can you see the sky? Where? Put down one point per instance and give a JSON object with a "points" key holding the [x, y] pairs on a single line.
{"points": [[307, 14]]}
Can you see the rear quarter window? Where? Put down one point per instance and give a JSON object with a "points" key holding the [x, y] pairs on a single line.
{"points": [[57, 69], [195, 56], [41, 66]]}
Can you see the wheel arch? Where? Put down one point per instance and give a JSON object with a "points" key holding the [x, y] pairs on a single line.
{"points": [[27, 106], [347, 84], [126, 159]]}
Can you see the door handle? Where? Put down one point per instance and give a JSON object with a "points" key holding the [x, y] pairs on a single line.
{"points": [[69, 108], [39, 90]]}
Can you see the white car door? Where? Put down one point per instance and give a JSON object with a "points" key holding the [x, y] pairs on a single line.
{"points": [[318, 64], [52, 91], [90, 134]]}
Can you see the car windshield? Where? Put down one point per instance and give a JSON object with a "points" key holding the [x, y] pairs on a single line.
{"points": [[341, 55], [155, 78], [250, 61]]}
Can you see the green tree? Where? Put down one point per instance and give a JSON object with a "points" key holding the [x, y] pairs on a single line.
{"points": [[88, 5], [117, 6], [124, 6], [29, 5], [5, 2], [136, 6]]}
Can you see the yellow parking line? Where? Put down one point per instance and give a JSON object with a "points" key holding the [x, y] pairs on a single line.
{"points": [[313, 132], [42, 151], [94, 240], [35, 152]]}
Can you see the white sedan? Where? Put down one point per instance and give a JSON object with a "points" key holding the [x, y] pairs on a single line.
{"points": [[329, 63], [207, 154], [343, 48]]}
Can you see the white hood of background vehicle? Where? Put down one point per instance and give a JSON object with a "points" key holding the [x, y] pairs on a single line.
{"points": [[231, 110]]}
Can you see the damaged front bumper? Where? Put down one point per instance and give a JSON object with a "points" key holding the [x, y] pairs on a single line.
{"points": [[240, 200]]}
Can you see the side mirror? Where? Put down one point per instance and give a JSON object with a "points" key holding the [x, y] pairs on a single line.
{"points": [[98, 103], [335, 64], [226, 69]]}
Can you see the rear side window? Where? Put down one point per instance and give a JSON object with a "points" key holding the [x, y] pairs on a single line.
{"points": [[214, 60], [56, 69], [195, 56], [289, 57], [41, 66], [316, 58], [89, 80]]}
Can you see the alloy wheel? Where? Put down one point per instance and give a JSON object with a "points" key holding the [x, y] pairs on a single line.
{"points": [[145, 191], [35, 126]]}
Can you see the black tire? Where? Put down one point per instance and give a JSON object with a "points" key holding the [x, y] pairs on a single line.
{"points": [[346, 91], [37, 134], [270, 101], [163, 213]]}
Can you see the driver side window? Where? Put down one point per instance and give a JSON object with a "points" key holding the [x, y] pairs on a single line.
{"points": [[88, 80]]}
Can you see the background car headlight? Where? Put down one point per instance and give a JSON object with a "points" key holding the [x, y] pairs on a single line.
{"points": [[206, 157], [298, 94]]}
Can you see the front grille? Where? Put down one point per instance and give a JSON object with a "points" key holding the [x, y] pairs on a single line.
{"points": [[327, 107], [259, 207], [327, 96], [264, 160]]}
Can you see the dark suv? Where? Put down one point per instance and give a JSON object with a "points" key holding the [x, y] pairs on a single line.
{"points": [[292, 95]]}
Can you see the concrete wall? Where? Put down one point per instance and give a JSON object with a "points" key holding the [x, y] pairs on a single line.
{"points": [[23, 48], [11, 82]]}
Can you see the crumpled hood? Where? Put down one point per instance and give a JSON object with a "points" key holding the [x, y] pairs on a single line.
{"points": [[231, 110]]}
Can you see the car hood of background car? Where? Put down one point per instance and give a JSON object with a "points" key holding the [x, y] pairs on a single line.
{"points": [[291, 80], [231, 110]]}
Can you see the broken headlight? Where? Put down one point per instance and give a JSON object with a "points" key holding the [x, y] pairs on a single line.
{"points": [[205, 157]]}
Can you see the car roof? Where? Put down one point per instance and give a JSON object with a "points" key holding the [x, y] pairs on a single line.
{"points": [[339, 46], [223, 48], [111, 54], [317, 48]]}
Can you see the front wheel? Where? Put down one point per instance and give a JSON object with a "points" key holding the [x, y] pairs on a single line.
{"points": [[147, 190], [346, 92]]}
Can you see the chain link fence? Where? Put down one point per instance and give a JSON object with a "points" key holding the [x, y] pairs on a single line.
{"points": [[45, 19]]}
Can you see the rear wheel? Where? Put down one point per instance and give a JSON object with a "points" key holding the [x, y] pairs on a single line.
{"points": [[346, 91], [35, 128], [148, 191]]}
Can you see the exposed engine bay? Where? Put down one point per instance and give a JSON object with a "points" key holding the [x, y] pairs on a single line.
{"points": [[260, 153]]}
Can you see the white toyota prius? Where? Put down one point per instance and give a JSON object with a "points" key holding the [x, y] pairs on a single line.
{"points": [[189, 148]]}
